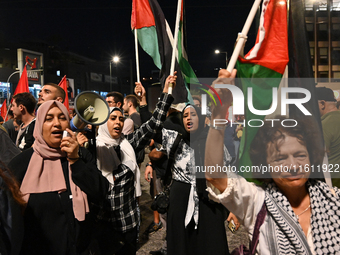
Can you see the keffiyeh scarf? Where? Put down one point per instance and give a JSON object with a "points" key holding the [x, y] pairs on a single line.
{"points": [[286, 234]]}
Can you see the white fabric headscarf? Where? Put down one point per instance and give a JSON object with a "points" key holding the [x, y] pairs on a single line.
{"points": [[107, 159]]}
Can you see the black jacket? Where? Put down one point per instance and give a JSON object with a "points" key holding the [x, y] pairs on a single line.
{"points": [[50, 225]]}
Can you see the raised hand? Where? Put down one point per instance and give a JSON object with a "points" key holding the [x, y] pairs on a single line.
{"points": [[139, 90], [171, 79], [224, 77]]}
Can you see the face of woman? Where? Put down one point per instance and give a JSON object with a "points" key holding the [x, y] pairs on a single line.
{"points": [[54, 125], [291, 161], [115, 124], [190, 120]]}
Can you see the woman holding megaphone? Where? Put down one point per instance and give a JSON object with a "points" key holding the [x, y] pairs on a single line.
{"points": [[57, 180]]}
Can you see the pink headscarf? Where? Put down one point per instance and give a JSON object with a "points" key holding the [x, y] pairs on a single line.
{"points": [[44, 172]]}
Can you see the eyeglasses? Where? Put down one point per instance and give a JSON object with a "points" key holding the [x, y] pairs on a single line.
{"points": [[111, 103]]}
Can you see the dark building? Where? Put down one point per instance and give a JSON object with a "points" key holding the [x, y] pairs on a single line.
{"points": [[323, 26], [87, 74]]}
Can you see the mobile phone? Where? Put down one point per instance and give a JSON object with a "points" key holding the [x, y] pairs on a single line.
{"points": [[66, 134], [232, 226]]}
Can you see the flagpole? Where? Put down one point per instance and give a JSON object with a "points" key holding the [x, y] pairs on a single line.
{"points": [[174, 47], [243, 35], [137, 56]]}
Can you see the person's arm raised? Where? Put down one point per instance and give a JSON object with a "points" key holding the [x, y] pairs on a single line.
{"points": [[170, 79], [214, 150], [141, 137], [140, 93]]}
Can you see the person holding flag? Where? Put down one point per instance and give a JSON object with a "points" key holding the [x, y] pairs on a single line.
{"points": [[292, 212]]}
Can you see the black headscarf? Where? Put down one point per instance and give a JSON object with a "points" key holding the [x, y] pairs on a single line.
{"points": [[112, 109], [197, 142]]}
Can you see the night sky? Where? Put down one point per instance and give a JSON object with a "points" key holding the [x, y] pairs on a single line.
{"points": [[100, 29]]}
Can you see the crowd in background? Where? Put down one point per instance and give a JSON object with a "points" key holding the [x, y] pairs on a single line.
{"points": [[66, 192]]}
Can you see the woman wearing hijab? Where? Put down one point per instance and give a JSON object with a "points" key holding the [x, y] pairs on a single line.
{"points": [[57, 180], [195, 224], [117, 161]]}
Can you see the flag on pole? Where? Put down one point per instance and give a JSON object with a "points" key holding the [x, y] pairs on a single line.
{"points": [[63, 84], [143, 21], [155, 37], [300, 62], [263, 66], [188, 73], [3, 110], [23, 83]]}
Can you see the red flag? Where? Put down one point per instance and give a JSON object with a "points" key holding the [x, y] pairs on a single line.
{"points": [[3, 110], [63, 84], [23, 83], [141, 15]]}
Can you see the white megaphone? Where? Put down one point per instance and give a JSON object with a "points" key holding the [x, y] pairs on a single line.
{"points": [[91, 109]]}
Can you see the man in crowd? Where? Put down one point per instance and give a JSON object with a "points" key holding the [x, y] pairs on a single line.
{"points": [[130, 105], [12, 126], [330, 120], [8, 150], [69, 90], [51, 91], [116, 99], [23, 107]]}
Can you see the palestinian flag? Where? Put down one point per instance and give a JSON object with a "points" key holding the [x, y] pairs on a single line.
{"points": [[143, 20], [262, 68], [63, 84], [182, 57], [155, 37]]}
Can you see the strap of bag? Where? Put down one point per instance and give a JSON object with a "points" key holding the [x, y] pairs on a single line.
{"points": [[256, 234], [171, 160]]}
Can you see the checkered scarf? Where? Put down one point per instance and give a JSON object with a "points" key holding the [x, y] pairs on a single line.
{"points": [[287, 235]]}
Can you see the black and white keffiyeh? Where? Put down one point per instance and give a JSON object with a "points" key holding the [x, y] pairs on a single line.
{"points": [[184, 170], [286, 233]]}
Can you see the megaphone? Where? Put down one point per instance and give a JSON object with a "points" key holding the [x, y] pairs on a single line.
{"points": [[91, 109]]}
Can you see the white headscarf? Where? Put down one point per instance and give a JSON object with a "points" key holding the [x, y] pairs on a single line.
{"points": [[107, 159]]}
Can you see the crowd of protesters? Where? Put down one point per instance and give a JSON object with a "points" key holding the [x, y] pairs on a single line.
{"points": [[58, 197]]}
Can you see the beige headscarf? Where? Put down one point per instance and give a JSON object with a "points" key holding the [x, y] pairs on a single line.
{"points": [[44, 172]]}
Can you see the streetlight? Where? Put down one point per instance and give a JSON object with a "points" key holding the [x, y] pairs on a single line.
{"points": [[115, 60], [226, 56]]}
